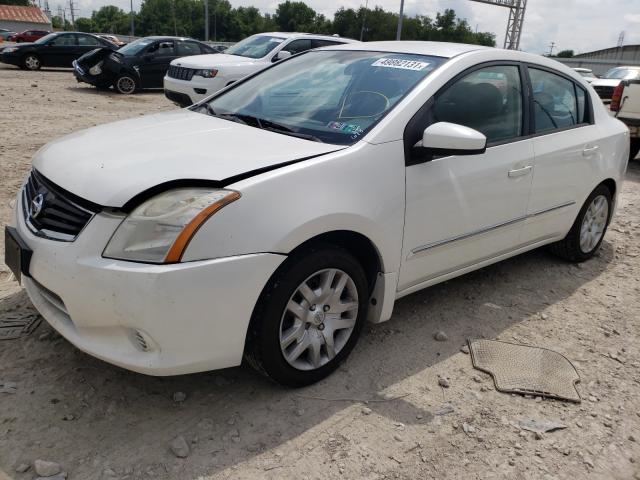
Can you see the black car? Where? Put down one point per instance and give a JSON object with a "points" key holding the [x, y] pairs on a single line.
{"points": [[140, 64], [53, 50]]}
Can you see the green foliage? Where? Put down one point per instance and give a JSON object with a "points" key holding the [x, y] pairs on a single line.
{"points": [[565, 54], [186, 18], [23, 3]]}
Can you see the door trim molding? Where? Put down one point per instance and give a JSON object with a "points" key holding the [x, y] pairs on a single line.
{"points": [[464, 236]]}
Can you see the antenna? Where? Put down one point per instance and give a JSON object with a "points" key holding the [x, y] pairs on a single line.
{"points": [[517, 9], [551, 47], [621, 39]]}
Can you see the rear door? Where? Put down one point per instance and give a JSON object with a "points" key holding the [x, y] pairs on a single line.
{"points": [[566, 143], [463, 210], [85, 44]]}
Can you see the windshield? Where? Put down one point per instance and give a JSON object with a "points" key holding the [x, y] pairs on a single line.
{"points": [[46, 38], [135, 47], [327, 96], [623, 74], [256, 46]]}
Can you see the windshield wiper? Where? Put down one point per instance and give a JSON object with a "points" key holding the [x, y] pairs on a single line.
{"points": [[226, 116], [279, 128]]}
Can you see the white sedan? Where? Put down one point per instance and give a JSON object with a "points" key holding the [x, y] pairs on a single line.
{"points": [[271, 221]]}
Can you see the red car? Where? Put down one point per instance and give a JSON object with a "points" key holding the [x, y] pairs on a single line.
{"points": [[28, 36]]}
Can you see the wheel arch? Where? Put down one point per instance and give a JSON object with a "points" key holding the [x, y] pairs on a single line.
{"points": [[357, 244]]}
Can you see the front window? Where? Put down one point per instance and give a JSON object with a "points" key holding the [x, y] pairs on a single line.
{"points": [[327, 96], [623, 74], [488, 100], [135, 47], [256, 46]]}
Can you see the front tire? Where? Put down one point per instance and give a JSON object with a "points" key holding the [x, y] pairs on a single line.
{"points": [[125, 84], [31, 61], [309, 316], [586, 235]]}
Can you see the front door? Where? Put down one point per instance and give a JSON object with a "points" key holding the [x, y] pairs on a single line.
{"points": [[463, 210], [155, 63], [60, 51]]}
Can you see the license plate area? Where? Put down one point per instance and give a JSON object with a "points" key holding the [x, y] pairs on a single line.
{"points": [[17, 255]]}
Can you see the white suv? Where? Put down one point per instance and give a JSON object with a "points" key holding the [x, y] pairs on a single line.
{"points": [[191, 79]]}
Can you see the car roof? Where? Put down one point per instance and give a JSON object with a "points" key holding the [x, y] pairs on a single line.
{"points": [[288, 35], [436, 49], [167, 37]]}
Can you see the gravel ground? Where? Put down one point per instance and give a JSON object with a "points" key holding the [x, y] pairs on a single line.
{"points": [[381, 415]]}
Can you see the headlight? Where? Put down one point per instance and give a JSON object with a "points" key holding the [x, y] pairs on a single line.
{"points": [[9, 49], [159, 230], [97, 68], [206, 73]]}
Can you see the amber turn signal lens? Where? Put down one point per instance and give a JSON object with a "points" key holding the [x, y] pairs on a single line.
{"points": [[181, 243]]}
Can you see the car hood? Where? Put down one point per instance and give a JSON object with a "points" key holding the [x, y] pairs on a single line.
{"points": [[213, 60], [606, 82], [110, 164]]}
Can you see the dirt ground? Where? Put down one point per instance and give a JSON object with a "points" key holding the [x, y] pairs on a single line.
{"points": [[382, 414]]}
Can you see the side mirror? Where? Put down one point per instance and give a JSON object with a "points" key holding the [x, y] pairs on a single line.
{"points": [[444, 138], [281, 55]]}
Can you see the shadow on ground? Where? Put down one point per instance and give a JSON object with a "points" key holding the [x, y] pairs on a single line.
{"points": [[115, 417]]}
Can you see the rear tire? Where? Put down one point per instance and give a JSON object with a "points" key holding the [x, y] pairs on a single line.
{"points": [[296, 340], [586, 235], [125, 84], [31, 61], [635, 148]]}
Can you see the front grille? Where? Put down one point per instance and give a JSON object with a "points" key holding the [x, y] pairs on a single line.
{"points": [[52, 212], [604, 92], [181, 73]]}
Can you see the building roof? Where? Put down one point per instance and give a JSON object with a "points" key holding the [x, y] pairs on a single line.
{"points": [[17, 13]]}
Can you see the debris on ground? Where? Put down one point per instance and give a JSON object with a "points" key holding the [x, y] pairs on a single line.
{"points": [[539, 426], [440, 336], [8, 387], [179, 447], [45, 468]]}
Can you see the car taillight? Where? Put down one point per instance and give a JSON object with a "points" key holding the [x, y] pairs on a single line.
{"points": [[617, 97]]}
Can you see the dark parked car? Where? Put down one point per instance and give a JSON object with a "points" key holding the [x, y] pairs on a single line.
{"points": [[54, 50], [28, 36], [140, 64]]}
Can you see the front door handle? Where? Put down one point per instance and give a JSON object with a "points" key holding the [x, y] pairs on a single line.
{"points": [[590, 151], [519, 172]]}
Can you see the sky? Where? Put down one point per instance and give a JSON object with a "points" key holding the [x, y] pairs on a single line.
{"points": [[580, 25]]}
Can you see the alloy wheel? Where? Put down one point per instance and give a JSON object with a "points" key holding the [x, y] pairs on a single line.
{"points": [[319, 319], [126, 85], [594, 224], [32, 62]]}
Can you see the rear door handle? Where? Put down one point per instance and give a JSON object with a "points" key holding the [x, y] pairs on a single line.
{"points": [[590, 151], [519, 172]]}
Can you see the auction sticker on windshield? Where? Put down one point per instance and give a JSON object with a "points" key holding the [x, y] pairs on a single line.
{"points": [[400, 63]]}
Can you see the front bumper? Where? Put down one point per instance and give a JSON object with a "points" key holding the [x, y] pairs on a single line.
{"points": [[10, 58], [195, 89], [152, 319]]}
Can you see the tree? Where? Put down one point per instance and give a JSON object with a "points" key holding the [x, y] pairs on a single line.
{"points": [[295, 17], [565, 54], [85, 25], [22, 3], [111, 19]]}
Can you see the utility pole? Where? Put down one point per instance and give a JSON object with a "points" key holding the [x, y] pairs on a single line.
{"points": [[133, 30], [206, 20], [517, 9], [364, 17], [175, 24], [73, 14], [399, 31], [551, 47]]}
